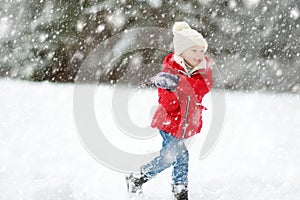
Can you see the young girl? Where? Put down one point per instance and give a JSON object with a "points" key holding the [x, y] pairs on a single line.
{"points": [[185, 78]]}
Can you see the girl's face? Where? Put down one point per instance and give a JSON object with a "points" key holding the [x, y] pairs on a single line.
{"points": [[193, 55]]}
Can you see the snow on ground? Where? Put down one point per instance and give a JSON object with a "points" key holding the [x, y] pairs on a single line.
{"points": [[41, 156]]}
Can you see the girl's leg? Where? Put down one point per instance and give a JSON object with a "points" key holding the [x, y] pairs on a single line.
{"points": [[180, 175], [168, 155], [171, 150], [180, 168]]}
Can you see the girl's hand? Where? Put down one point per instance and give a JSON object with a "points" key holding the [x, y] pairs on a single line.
{"points": [[207, 68], [209, 62], [166, 81]]}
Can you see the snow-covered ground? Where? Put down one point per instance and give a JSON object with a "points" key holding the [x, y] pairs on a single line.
{"points": [[41, 156]]}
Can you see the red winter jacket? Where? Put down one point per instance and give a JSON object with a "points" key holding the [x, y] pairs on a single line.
{"points": [[180, 112]]}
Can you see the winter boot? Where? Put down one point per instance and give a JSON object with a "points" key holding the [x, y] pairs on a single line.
{"points": [[134, 183], [180, 192]]}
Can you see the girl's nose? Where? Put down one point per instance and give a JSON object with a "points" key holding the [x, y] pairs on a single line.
{"points": [[199, 55]]}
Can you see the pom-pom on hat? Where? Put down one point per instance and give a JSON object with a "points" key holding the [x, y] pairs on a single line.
{"points": [[186, 37]]}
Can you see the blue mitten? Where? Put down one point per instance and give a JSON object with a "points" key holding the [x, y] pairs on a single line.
{"points": [[166, 81]]}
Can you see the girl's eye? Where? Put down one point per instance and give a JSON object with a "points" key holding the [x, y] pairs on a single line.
{"points": [[194, 50]]}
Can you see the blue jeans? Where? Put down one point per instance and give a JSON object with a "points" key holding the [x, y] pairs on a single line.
{"points": [[173, 152]]}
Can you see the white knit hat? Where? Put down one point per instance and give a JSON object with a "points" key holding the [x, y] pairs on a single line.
{"points": [[186, 37]]}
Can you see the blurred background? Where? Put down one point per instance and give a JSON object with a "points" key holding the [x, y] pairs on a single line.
{"points": [[44, 44], [254, 43]]}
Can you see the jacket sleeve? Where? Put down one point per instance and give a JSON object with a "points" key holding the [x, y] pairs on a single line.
{"points": [[168, 100]]}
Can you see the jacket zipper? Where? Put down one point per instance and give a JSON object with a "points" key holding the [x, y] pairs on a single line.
{"points": [[186, 117]]}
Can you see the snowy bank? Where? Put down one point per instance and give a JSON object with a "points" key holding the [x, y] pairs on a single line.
{"points": [[41, 156]]}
